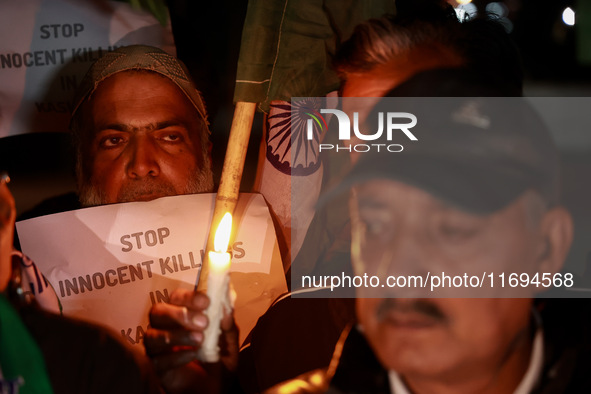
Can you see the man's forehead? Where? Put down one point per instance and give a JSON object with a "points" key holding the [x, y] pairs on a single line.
{"points": [[94, 118], [134, 78], [386, 194], [127, 84], [385, 188], [137, 85], [139, 57]]}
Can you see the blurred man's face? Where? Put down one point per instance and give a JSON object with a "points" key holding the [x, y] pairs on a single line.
{"points": [[401, 230], [145, 144]]}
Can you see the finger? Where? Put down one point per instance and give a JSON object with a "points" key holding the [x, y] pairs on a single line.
{"points": [[229, 349], [230, 338], [227, 323], [165, 362], [164, 341], [190, 299], [167, 316], [229, 341]]}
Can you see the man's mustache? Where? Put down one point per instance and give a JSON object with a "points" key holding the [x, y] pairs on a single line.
{"points": [[422, 307], [134, 191]]}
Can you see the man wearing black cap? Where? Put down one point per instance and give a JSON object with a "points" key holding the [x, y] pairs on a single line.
{"points": [[477, 193], [477, 196], [381, 54]]}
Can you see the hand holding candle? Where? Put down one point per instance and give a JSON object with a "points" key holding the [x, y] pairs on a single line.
{"points": [[218, 282]]}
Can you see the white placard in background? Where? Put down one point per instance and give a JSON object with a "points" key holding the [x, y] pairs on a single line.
{"points": [[46, 47]]}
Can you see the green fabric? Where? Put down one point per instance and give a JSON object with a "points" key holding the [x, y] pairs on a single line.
{"points": [[19, 354], [287, 45], [157, 8], [583, 31]]}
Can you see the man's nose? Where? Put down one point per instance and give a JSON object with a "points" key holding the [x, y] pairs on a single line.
{"points": [[404, 255], [143, 159], [400, 265], [407, 256]]}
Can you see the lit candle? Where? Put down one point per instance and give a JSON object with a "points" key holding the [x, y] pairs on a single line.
{"points": [[218, 282]]}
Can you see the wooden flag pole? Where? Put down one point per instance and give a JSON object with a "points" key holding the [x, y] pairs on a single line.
{"points": [[229, 188]]}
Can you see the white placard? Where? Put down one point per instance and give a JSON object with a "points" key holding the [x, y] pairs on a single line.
{"points": [[109, 264], [47, 46]]}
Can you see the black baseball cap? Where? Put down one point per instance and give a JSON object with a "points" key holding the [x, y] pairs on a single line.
{"points": [[474, 150]]}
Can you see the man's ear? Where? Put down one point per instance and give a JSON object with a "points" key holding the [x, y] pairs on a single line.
{"points": [[557, 233]]}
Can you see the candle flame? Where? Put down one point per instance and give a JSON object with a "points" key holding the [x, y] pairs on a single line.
{"points": [[222, 235]]}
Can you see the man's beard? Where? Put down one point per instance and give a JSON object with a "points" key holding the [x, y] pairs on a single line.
{"points": [[200, 182]]}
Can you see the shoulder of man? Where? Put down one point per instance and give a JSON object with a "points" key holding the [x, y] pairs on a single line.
{"points": [[353, 369], [567, 346], [84, 358], [296, 335]]}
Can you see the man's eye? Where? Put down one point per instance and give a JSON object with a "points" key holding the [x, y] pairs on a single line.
{"points": [[112, 141], [374, 227], [376, 220], [454, 232], [171, 137]]}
